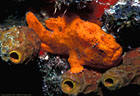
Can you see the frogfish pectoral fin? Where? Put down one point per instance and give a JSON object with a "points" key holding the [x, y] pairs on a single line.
{"points": [[75, 63], [46, 48]]}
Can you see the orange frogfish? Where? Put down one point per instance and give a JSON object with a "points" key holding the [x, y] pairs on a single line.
{"points": [[84, 42]]}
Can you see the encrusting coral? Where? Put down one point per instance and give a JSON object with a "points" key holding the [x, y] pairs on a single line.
{"points": [[18, 44], [85, 43], [125, 74]]}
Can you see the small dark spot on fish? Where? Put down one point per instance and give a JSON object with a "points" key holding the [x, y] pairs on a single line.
{"points": [[48, 29], [60, 28], [101, 52], [94, 45]]}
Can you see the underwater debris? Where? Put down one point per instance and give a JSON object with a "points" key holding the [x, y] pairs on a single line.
{"points": [[88, 44], [18, 44], [125, 74], [84, 82]]}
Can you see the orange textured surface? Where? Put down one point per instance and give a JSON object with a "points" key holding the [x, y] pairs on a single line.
{"points": [[85, 43]]}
